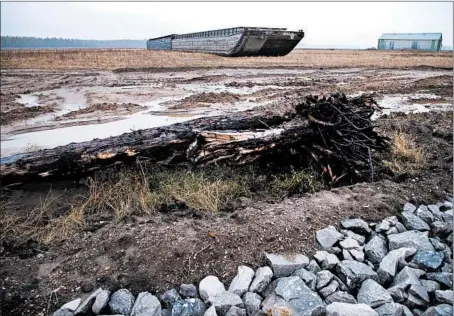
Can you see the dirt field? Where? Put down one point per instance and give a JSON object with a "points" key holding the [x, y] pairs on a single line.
{"points": [[161, 249]]}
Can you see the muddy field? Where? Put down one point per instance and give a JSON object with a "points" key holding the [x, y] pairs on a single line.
{"points": [[44, 108]]}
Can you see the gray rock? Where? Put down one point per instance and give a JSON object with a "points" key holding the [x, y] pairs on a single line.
{"points": [[346, 255], [225, 300], [329, 289], [439, 228], [285, 265], [439, 310], [435, 210], [373, 294], [313, 267], [72, 305], [346, 309], [241, 282], [447, 216], [430, 285], [391, 231], [413, 301], [446, 268], [270, 288], [307, 306], [409, 207], [327, 260], [398, 294], [341, 297], [406, 310], [121, 302], [209, 287], [188, 307], [438, 245], [334, 250], [166, 312], [262, 278], [308, 277], [353, 273], [449, 239], [400, 227], [324, 277], [375, 249], [428, 260], [441, 277], [360, 239], [425, 215], [235, 311], [169, 297], [188, 291], [390, 309], [252, 302], [101, 301], [210, 312], [410, 239], [86, 305], [383, 226], [358, 255], [356, 225], [275, 305], [413, 222], [63, 312], [328, 237], [420, 292], [390, 263], [443, 296], [404, 279], [145, 305], [349, 243]]}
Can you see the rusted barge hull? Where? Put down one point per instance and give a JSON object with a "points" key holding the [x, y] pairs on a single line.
{"points": [[239, 41]]}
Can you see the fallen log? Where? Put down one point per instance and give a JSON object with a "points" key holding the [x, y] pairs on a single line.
{"points": [[333, 132]]}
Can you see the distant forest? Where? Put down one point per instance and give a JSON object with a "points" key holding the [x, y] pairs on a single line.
{"points": [[37, 42]]}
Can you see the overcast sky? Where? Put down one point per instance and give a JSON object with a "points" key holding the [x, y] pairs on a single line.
{"points": [[325, 23]]}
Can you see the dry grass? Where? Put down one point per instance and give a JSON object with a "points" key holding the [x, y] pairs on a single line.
{"points": [[406, 154], [142, 58]]}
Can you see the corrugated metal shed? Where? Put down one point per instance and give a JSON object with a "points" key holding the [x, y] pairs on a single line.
{"points": [[411, 36]]}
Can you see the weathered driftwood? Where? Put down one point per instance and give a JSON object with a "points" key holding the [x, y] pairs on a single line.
{"points": [[334, 130]]}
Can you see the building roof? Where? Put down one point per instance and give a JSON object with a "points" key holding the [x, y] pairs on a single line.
{"points": [[411, 36]]}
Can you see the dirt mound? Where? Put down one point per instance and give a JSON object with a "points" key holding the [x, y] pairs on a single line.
{"points": [[205, 99], [104, 108]]}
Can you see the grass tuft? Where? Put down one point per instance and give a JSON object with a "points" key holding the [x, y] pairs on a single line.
{"points": [[406, 154]]}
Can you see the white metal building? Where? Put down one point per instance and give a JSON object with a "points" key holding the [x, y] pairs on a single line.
{"points": [[416, 41]]}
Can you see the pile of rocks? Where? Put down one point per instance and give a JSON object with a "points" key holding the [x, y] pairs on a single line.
{"points": [[399, 266]]}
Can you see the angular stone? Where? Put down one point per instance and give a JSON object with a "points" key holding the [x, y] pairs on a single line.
{"points": [[390, 309], [270, 288], [275, 305], [409, 207], [327, 260], [360, 239], [356, 225], [346, 255], [188, 307], [63, 312], [166, 312], [329, 289], [413, 222], [349, 243], [413, 301], [390, 263], [404, 279], [235, 311], [358, 255], [447, 216], [169, 297], [225, 300], [188, 291], [391, 231], [375, 249], [72, 305], [441, 277], [353, 273], [346, 309], [341, 297], [86, 305], [324, 277], [328, 237], [446, 268], [428, 260], [413, 239], [435, 210], [210, 312], [285, 265], [439, 228], [438, 245], [313, 267], [240, 284], [308, 277], [209, 287], [252, 302], [383, 226], [443, 296], [262, 278], [420, 292], [406, 310], [101, 301], [122, 301], [439, 310], [400, 228], [430, 285], [373, 294], [398, 294], [425, 215]]}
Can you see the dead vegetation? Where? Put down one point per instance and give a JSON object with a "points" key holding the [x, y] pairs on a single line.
{"points": [[407, 155], [142, 58]]}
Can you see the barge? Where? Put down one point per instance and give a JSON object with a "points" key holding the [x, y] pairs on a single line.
{"points": [[237, 41]]}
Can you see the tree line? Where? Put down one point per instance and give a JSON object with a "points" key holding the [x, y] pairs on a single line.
{"points": [[38, 42]]}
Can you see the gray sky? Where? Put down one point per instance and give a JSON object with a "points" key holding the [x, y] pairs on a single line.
{"points": [[326, 24]]}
